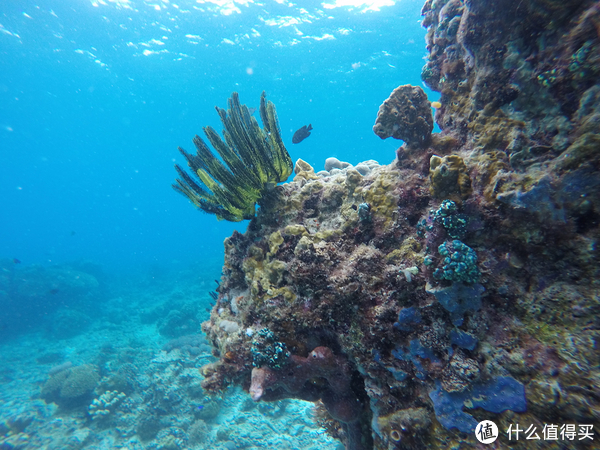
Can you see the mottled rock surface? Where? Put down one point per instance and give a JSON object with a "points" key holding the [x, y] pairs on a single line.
{"points": [[405, 115]]}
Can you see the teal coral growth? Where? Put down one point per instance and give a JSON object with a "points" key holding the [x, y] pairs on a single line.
{"points": [[266, 351], [579, 61], [460, 263], [548, 78], [454, 223], [255, 160]]}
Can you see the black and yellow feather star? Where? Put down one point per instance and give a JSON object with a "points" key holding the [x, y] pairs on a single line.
{"points": [[254, 159]]}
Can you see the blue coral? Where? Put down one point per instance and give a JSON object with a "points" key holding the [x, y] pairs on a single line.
{"points": [[364, 213], [417, 349], [410, 355], [496, 395], [463, 339], [458, 298], [407, 318], [542, 199]]}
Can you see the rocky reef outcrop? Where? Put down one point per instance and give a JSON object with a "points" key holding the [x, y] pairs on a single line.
{"points": [[405, 115], [456, 284]]}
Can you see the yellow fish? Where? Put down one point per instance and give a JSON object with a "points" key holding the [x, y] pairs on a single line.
{"points": [[436, 105]]}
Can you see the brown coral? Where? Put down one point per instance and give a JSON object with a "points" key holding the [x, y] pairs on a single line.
{"points": [[404, 425], [405, 115], [449, 178]]}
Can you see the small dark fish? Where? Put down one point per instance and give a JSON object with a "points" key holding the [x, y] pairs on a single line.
{"points": [[53, 291], [73, 233], [16, 261], [301, 134]]}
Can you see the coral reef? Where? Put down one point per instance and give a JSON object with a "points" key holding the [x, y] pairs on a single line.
{"points": [[72, 387], [179, 319], [456, 284], [459, 282], [255, 160], [104, 405], [192, 344], [67, 323], [417, 349], [144, 397], [405, 115]]}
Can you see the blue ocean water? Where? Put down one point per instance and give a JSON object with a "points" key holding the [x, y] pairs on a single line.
{"points": [[105, 271], [95, 97]]}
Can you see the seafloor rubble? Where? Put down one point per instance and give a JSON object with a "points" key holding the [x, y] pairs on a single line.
{"points": [[459, 282]]}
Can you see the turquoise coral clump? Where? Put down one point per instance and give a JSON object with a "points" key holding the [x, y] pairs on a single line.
{"points": [[460, 263], [548, 78], [364, 213], [266, 351], [579, 63], [454, 223]]}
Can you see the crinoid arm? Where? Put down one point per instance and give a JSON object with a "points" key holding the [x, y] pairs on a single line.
{"points": [[250, 161]]}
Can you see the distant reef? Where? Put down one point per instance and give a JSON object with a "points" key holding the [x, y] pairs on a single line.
{"points": [[457, 284]]}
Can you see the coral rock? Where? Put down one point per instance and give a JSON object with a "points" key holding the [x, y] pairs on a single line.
{"points": [[405, 115], [334, 163], [304, 170], [299, 380], [449, 178], [326, 265], [72, 387]]}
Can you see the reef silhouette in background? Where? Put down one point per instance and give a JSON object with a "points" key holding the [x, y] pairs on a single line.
{"points": [[254, 160]]}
